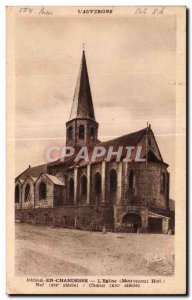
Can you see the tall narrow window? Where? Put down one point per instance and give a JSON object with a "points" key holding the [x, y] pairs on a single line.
{"points": [[131, 179], [27, 192], [71, 189], [81, 132], [98, 183], [70, 133], [113, 181], [17, 192], [83, 185], [42, 191]]}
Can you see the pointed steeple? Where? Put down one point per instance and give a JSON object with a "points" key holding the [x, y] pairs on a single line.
{"points": [[82, 128], [82, 106]]}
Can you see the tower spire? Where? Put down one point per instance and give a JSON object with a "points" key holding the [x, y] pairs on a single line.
{"points": [[82, 106], [82, 128]]}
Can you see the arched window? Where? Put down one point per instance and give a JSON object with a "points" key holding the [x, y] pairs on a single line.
{"points": [[131, 179], [17, 192], [70, 133], [81, 132], [71, 189], [83, 185], [92, 133], [42, 191], [163, 183], [27, 192], [98, 183], [113, 181]]}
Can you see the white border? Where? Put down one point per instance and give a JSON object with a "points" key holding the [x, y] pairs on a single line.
{"points": [[3, 4]]}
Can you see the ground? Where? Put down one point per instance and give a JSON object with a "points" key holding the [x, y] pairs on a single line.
{"points": [[46, 251]]}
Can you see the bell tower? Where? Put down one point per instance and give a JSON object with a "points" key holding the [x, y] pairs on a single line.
{"points": [[82, 128]]}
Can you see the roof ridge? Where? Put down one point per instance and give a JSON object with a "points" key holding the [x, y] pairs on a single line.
{"points": [[125, 135], [31, 169]]}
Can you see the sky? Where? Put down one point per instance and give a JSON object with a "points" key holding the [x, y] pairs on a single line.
{"points": [[132, 69]]}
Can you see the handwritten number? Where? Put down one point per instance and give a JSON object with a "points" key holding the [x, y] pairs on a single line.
{"points": [[146, 10], [28, 10], [25, 10]]}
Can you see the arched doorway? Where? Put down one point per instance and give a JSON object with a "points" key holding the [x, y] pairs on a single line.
{"points": [[155, 225], [131, 222]]}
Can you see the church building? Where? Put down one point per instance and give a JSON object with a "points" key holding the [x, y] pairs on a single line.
{"points": [[119, 196]]}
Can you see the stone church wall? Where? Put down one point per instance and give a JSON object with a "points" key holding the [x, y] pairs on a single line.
{"points": [[59, 195], [53, 170], [88, 218], [49, 200], [88, 139], [148, 183]]}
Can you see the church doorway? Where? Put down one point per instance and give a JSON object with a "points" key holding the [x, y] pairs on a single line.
{"points": [[131, 222], [155, 225]]}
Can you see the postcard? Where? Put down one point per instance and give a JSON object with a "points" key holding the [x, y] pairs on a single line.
{"points": [[96, 150]]}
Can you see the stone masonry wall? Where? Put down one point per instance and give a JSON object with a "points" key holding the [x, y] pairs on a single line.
{"points": [[88, 217], [75, 141], [48, 201], [148, 183]]}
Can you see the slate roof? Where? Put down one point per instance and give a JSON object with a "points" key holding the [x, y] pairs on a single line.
{"points": [[33, 171], [82, 106], [54, 179], [20, 180], [30, 177], [132, 139], [33, 178]]}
